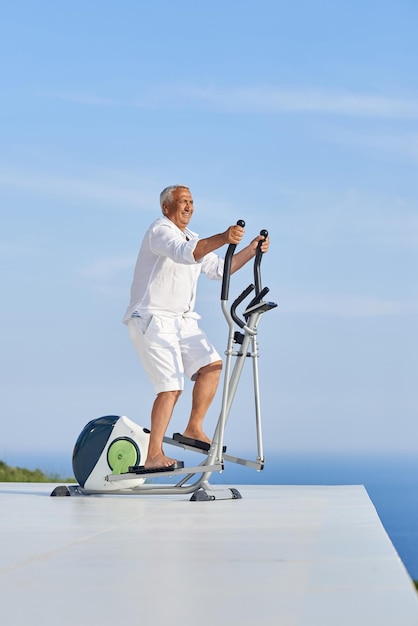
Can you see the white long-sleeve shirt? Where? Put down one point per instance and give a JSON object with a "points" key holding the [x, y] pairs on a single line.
{"points": [[166, 272]]}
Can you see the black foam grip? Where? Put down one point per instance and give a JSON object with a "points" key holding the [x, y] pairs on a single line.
{"points": [[227, 266]]}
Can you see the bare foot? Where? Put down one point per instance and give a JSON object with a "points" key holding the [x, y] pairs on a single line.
{"points": [[199, 435], [159, 461]]}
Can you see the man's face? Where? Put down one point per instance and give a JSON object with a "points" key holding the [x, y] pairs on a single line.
{"points": [[180, 209]]}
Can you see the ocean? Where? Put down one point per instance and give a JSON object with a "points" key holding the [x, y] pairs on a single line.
{"points": [[390, 480]]}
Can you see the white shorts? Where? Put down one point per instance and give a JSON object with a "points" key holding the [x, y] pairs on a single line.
{"points": [[170, 348]]}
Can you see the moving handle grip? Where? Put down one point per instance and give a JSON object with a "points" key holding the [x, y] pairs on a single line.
{"points": [[257, 303], [227, 266], [257, 262]]}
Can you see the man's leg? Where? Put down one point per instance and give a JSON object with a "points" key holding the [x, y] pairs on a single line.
{"points": [[162, 411], [203, 393]]}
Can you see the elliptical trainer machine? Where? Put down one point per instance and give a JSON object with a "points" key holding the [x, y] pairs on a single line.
{"points": [[108, 452]]}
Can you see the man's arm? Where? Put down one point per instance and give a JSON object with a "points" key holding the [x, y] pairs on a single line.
{"points": [[233, 234], [246, 254]]}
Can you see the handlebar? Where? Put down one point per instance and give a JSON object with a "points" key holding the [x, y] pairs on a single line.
{"points": [[259, 291], [257, 262], [227, 266], [257, 303], [237, 302]]}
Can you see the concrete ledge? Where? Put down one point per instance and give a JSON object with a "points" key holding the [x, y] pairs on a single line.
{"points": [[283, 555]]}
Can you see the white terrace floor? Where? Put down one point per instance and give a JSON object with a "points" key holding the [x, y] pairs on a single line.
{"points": [[288, 556]]}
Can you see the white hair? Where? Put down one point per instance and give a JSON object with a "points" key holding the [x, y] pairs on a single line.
{"points": [[167, 194]]}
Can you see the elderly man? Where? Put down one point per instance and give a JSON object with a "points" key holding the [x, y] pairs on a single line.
{"points": [[162, 323]]}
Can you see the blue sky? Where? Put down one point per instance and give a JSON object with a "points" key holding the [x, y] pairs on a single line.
{"points": [[301, 118]]}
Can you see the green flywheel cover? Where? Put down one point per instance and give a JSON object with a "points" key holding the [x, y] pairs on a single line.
{"points": [[121, 454]]}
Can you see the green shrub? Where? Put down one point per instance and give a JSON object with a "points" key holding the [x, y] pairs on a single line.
{"points": [[21, 475]]}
